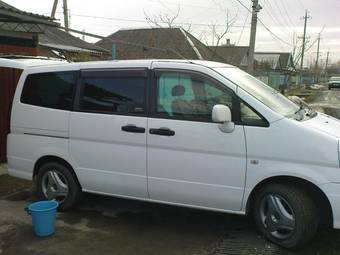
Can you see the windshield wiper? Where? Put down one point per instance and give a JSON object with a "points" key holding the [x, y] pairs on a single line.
{"points": [[311, 113], [301, 107]]}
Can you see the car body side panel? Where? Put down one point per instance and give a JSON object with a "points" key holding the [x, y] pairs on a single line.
{"points": [[25, 150], [301, 151], [108, 159]]}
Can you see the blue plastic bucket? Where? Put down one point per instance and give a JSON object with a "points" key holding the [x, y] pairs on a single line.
{"points": [[43, 217]]}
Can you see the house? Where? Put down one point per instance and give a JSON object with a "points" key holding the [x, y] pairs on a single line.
{"points": [[24, 33], [158, 43], [274, 60], [19, 30], [233, 55], [274, 68]]}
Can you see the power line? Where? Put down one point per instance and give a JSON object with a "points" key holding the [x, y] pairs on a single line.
{"points": [[145, 22], [274, 18], [284, 19], [287, 13], [184, 4], [244, 24], [272, 33]]}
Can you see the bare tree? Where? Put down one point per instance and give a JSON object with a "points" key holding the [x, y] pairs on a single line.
{"points": [[167, 20], [217, 34], [162, 19]]}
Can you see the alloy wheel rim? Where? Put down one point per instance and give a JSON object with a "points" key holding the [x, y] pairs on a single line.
{"points": [[277, 216], [55, 186]]}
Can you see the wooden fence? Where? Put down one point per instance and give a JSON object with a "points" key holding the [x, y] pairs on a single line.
{"points": [[8, 80]]}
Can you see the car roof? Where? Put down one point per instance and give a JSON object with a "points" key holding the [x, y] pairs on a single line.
{"points": [[136, 63], [22, 63]]}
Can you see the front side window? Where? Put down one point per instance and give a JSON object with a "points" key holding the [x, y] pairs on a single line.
{"points": [[50, 90], [113, 95], [189, 96], [250, 117]]}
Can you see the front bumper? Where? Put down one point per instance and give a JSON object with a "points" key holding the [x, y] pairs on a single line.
{"points": [[334, 85], [332, 191]]}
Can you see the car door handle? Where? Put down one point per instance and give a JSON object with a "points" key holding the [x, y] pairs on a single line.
{"points": [[162, 131], [133, 129]]}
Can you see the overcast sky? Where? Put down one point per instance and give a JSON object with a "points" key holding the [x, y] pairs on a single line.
{"points": [[282, 17]]}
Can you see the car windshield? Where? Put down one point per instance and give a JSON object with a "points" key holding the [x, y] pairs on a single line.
{"points": [[262, 92]]}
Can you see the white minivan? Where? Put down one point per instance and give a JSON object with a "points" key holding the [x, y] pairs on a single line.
{"points": [[189, 133]]}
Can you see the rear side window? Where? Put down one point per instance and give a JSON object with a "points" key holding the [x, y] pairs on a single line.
{"points": [[113, 95], [51, 90]]}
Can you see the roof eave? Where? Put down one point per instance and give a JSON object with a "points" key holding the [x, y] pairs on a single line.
{"points": [[27, 18]]}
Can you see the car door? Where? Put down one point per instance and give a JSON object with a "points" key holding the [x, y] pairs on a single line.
{"points": [[107, 132], [190, 160]]}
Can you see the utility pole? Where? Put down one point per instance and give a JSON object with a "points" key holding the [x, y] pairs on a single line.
{"points": [[55, 4], [317, 54], [326, 67], [66, 16], [317, 61], [304, 37], [255, 9], [213, 35]]}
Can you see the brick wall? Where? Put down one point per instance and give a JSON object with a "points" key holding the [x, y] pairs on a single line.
{"points": [[18, 50]]}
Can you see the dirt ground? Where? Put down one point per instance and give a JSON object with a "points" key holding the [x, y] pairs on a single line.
{"points": [[106, 225], [326, 101]]}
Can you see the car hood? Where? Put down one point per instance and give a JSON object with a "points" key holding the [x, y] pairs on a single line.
{"points": [[326, 124]]}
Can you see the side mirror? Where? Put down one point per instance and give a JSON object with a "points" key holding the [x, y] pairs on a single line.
{"points": [[222, 114]]}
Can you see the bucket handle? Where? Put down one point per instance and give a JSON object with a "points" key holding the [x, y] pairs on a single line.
{"points": [[27, 210]]}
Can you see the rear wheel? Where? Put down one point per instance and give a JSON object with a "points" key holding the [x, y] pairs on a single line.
{"points": [[55, 181], [285, 215]]}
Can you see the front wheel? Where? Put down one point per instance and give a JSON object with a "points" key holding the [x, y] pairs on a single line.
{"points": [[285, 215], [55, 181]]}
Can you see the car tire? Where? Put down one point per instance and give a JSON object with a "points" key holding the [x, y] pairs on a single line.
{"points": [[285, 215], [56, 181]]}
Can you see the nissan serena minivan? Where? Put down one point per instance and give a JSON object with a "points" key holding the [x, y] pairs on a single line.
{"points": [[189, 133]]}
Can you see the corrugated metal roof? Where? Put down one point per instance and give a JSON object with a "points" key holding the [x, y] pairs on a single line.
{"points": [[158, 43], [10, 8], [66, 48], [56, 38], [234, 55], [278, 60]]}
